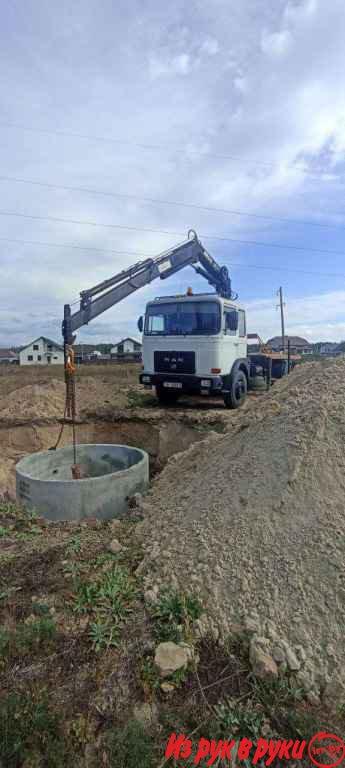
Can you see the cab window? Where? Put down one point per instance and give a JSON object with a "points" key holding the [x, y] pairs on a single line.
{"points": [[241, 322], [231, 321]]}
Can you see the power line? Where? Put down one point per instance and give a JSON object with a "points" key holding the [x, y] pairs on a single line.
{"points": [[185, 151], [73, 246], [156, 201], [238, 265], [219, 238]]}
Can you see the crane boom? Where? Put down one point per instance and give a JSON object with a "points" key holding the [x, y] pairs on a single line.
{"points": [[106, 294]]}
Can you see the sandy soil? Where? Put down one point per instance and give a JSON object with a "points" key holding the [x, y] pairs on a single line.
{"points": [[255, 521]]}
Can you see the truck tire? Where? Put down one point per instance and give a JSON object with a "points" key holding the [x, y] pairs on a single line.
{"points": [[238, 391], [166, 396]]}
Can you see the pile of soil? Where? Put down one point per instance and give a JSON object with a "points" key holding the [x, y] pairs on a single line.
{"points": [[254, 522], [34, 402], [45, 401]]}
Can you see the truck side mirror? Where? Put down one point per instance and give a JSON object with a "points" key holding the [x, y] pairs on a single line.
{"points": [[140, 324], [231, 320]]}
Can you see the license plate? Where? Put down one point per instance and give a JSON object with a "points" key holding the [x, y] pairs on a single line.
{"points": [[172, 384]]}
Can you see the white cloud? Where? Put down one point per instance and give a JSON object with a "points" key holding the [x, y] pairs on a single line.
{"points": [[250, 90], [317, 318], [210, 46], [276, 43], [241, 84], [169, 67]]}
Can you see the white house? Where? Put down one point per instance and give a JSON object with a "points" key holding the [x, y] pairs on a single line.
{"points": [[42, 351], [126, 348]]}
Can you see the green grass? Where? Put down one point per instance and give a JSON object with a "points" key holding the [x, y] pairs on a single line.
{"points": [[149, 676], [104, 633], [240, 720], [12, 511], [131, 747], [19, 522], [74, 545], [27, 638], [140, 399], [30, 733], [107, 601], [174, 615]]}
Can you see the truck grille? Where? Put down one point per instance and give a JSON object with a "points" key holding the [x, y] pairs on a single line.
{"points": [[174, 362]]}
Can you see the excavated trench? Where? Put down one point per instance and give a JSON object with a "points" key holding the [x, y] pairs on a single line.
{"points": [[161, 440]]}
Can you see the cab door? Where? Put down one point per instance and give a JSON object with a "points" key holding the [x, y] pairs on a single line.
{"points": [[234, 342]]}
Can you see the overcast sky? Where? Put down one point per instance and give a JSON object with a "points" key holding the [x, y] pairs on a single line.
{"points": [[222, 104]]}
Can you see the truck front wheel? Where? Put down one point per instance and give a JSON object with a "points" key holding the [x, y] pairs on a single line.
{"points": [[167, 396], [238, 391]]}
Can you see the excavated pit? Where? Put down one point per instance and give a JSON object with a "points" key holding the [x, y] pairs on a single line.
{"points": [[160, 439]]}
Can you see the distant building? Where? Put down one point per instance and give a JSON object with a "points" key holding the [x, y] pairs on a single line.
{"points": [[298, 345], [126, 349], [8, 356], [90, 353], [42, 351], [327, 349]]}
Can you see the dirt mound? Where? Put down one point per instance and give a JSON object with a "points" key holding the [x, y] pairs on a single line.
{"points": [[34, 402], [255, 522], [45, 401]]}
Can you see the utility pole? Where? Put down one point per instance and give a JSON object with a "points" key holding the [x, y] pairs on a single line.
{"points": [[282, 305]]}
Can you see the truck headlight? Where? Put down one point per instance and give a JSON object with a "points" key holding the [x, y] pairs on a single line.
{"points": [[146, 379], [205, 382]]}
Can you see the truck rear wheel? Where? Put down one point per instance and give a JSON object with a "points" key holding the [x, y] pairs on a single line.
{"points": [[238, 391], [167, 396]]}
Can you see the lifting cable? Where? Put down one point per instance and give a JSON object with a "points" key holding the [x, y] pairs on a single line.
{"points": [[70, 409]]}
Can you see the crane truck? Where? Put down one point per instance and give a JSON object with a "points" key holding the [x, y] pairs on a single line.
{"points": [[193, 344]]}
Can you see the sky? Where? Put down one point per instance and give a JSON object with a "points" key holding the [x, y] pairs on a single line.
{"points": [[151, 115]]}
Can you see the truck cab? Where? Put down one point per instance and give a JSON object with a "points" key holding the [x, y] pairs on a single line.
{"points": [[196, 345]]}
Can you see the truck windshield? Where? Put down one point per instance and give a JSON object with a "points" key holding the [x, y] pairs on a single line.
{"points": [[191, 318]]}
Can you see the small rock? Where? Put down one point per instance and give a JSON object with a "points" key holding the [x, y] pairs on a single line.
{"points": [[115, 546], [334, 692], [30, 619], [263, 665], [283, 668], [292, 660], [304, 680], [201, 626], [140, 569], [278, 654], [301, 653], [146, 713], [251, 626], [263, 642], [115, 525], [170, 657], [92, 522], [313, 698], [167, 687], [150, 597]]}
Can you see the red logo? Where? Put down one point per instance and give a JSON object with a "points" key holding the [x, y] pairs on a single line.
{"points": [[326, 750]]}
